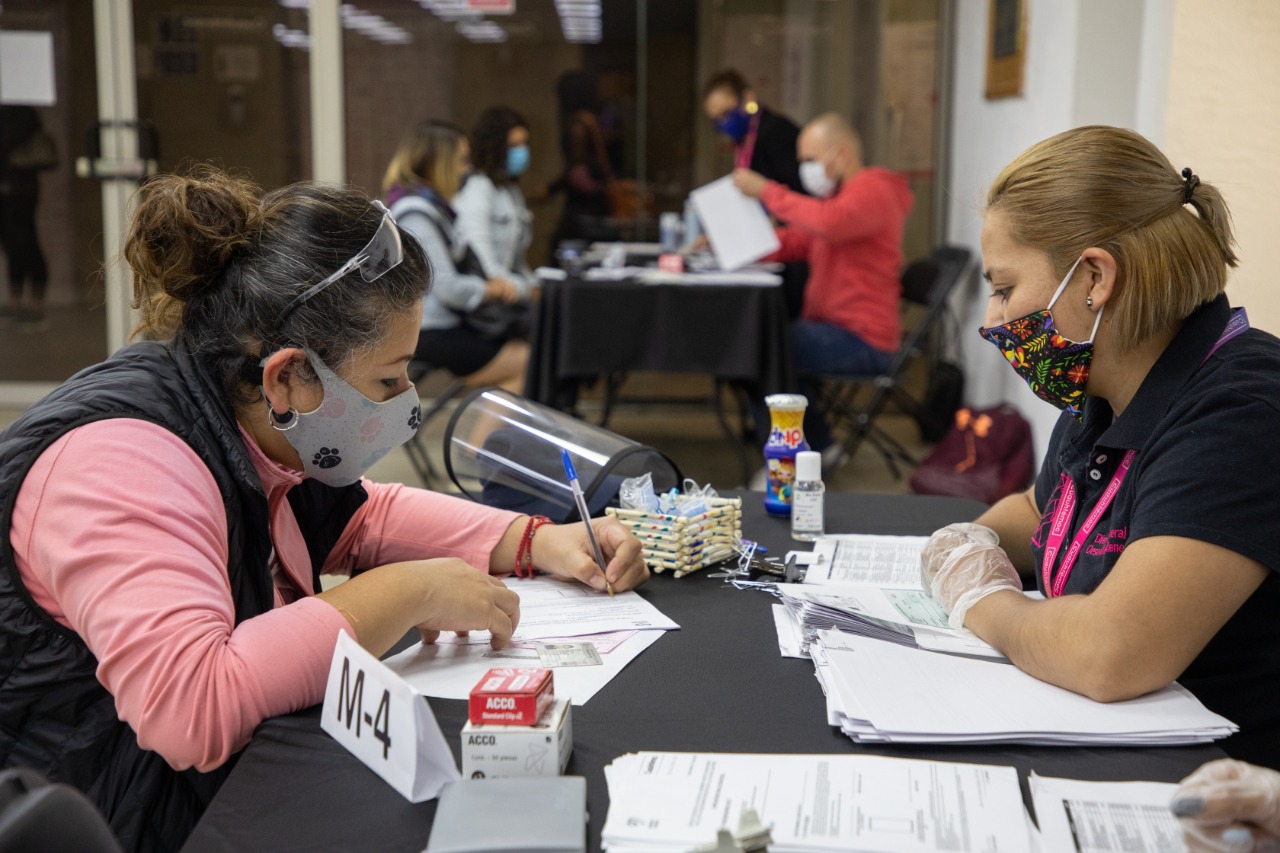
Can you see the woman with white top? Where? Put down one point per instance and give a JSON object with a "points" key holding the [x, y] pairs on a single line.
{"points": [[471, 322], [492, 214]]}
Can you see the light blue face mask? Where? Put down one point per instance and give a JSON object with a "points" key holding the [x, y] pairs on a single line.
{"points": [[517, 160]]}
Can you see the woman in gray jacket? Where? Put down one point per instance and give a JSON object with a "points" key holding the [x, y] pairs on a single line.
{"points": [[472, 322], [492, 214]]}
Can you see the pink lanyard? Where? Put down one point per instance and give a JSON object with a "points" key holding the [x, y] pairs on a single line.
{"points": [[1062, 517], [1238, 324], [742, 159]]}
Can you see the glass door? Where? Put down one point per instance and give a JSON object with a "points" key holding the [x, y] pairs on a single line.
{"points": [[52, 300], [134, 86]]}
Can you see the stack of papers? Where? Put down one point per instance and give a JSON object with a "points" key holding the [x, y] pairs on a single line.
{"points": [[883, 692], [660, 801], [870, 586], [553, 613], [741, 278]]}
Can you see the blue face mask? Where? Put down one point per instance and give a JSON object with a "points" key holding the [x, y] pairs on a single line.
{"points": [[517, 160], [734, 124]]}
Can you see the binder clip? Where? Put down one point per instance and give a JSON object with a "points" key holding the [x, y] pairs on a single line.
{"points": [[750, 837]]}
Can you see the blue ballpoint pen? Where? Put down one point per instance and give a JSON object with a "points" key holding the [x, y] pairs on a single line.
{"points": [[585, 515]]}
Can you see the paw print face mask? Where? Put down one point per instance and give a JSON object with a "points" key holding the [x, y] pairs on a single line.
{"points": [[348, 432]]}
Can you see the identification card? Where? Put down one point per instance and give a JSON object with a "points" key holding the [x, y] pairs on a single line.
{"points": [[385, 723], [568, 654]]}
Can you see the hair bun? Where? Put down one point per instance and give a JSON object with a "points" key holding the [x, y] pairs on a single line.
{"points": [[185, 230]]}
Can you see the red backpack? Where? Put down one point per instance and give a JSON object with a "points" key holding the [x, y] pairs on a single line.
{"points": [[986, 455]]}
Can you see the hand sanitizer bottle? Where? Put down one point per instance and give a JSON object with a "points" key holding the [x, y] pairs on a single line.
{"points": [[807, 497]]}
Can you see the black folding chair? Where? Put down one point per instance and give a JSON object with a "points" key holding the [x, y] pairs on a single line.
{"points": [[416, 447], [927, 283]]}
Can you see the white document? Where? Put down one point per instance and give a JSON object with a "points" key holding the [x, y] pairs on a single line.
{"points": [[741, 278], [550, 274], [908, 616], [677, 801], [882, 561], [26, 68], [450, 670], [1103, 817], [917, 696], [385, 723], [736, 226], [555, 608], [789, 639]]}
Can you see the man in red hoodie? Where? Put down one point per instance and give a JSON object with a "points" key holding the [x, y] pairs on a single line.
{"points": [[850, 232]]}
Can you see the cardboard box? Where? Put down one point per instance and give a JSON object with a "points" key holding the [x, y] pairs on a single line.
{"points": [[509, 696], [496, 752]]}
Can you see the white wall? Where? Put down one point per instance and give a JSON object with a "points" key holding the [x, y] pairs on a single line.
{"points": [[1224, 122], [1086, 62]]}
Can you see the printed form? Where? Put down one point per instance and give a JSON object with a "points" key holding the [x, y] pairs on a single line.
{"points": [[553, 611], [882, 561], [662, 800], [1102, 817]]}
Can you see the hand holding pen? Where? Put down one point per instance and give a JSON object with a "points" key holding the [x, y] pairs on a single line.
{"points": [[585, 514]]}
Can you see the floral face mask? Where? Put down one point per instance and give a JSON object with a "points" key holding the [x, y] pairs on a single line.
{"points": [[1055, 368]]}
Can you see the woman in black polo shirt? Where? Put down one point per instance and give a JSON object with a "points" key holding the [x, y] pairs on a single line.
{"points": [[1153, 529]]}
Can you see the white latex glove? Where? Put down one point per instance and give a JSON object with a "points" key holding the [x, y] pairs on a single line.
{"points": [[1229, 806], [962, 564]]}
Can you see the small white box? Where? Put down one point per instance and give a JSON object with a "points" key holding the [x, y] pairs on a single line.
{"points": [[497, 752]]}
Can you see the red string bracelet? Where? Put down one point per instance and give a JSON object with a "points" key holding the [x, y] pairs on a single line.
{"points": [[524, 552]]}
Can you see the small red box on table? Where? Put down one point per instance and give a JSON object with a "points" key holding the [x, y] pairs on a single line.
{"points": [[511, 697]]}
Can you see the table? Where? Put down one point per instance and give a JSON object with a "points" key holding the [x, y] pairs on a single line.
{"points": [[716, 685], [587, 329]]}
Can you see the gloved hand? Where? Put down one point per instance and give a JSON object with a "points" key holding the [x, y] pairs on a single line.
{"points": [[962, 564], [1229, 806]]}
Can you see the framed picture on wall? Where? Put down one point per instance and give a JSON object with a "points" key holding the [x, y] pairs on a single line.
{"points": [[1006, 48]]}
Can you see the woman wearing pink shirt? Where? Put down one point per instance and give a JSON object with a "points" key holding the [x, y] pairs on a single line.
{"points": [[169, 511]]}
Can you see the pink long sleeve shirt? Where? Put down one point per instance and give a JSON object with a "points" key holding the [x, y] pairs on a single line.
{"points": [[129, 550]]}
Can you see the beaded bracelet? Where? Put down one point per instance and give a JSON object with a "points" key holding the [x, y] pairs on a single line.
{"points": [[524, 552]]}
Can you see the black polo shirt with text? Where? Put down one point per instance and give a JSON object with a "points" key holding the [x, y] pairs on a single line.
{"points": [[1207, 436]]}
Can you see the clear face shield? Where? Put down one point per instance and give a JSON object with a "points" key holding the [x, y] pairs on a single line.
{"points": [[382, 254]]}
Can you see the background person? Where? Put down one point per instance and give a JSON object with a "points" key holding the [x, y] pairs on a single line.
{"points": [[169, 511], [424, 175], [1151, 530], [850, 232], [763, 141], [492, 215], [25, 150], [587, 167]]}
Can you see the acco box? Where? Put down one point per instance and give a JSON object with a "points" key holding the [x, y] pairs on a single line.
{"points": [[511, 697], [495, 752]]}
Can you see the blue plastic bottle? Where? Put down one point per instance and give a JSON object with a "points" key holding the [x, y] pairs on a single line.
{"points": [[786, 439]]}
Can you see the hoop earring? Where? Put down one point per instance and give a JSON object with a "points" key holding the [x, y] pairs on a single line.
{"points": [[285, 422], [1088, 300]]}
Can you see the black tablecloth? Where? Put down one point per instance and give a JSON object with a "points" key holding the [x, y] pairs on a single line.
{"points": [[586, 329], [716, 685]]}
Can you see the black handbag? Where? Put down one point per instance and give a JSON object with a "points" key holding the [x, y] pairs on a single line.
{"points": [[498, 320]]}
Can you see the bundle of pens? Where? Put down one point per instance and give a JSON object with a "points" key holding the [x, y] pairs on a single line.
{"points": [[686, 532]]}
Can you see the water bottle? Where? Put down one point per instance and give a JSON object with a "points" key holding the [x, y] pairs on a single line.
{"points": [[786, 439], [692, 224], [669, 231], [807, 497]]}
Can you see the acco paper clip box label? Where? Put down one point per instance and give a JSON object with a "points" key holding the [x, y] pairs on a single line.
{"points": [[511, 697], [498, 752]]}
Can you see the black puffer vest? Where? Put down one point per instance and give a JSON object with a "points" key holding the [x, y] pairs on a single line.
{"points": [[55, 717]]}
